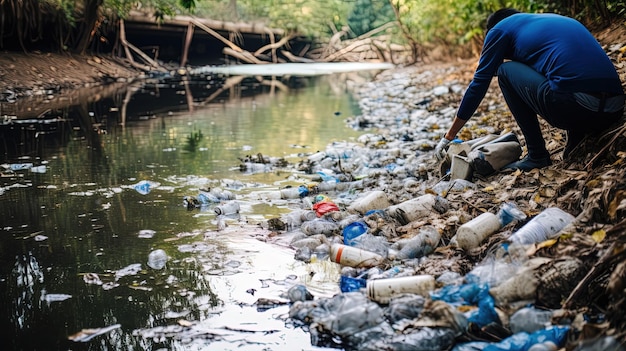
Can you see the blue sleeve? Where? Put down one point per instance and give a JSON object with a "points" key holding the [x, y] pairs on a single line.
{"points": [[493, 53]]}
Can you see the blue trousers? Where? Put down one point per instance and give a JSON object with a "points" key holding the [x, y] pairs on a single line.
{"points": [[528, 94]]}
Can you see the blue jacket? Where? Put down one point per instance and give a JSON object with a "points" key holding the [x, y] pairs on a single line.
{"points": [[558, 47]]}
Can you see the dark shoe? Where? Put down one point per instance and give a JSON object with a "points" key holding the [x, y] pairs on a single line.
{"points": [[573, 140], [527, 163]]}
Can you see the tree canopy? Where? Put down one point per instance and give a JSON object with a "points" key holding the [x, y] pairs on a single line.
{"points": [[74, 24]]}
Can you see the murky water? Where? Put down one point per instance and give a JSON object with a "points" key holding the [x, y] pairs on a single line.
{"points": [[76, 231]]}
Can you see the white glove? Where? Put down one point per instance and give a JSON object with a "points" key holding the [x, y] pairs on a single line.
{"points": [[440, 149]]}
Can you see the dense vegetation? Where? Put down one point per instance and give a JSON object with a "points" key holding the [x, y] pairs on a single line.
{"points": [[75, 25]]}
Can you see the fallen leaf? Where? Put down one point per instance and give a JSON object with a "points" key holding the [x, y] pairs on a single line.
{"points": [[598, 235]]}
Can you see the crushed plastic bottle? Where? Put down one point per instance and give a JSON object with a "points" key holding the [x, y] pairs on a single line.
{"points": [[299, 293], [422, 244], [530, 319], [352, 231]]}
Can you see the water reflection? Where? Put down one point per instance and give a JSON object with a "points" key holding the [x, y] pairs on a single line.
{"points": [[80, 217]]}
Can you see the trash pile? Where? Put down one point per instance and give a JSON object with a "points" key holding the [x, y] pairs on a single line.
{"points": [[458, 256]]}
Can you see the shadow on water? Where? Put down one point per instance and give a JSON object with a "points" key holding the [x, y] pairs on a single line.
{"points": [[76, 233]]}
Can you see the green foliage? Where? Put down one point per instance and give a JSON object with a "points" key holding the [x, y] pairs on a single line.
{"points": [[369, 14], [439, 22]]}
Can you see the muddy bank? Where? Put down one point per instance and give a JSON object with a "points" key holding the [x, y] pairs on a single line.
{"points": [[39, 73]]}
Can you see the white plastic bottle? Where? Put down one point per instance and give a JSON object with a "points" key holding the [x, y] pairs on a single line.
{"points": [[472, 233], [354, 257], [382, 290]]}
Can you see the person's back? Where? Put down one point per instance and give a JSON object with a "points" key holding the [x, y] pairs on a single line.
{"points": [[547, 65], [561, 49]]}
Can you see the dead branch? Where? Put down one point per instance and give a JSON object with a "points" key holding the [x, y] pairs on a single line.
{"points": [[243, 55]]}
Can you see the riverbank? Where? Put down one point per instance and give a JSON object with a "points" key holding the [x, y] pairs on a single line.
{"points": [[38, 73]]}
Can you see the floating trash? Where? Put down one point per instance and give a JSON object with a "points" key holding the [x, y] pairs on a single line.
{"points": [[145, 186], [146, 234], [88, 334], [157, 259], [49, 298], [128, 270]]}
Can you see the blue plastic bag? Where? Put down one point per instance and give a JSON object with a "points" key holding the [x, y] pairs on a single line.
{"points": [[474, 295], [522, 341]]}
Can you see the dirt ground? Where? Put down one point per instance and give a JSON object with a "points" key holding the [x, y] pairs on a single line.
{"points": [[32, 73]]}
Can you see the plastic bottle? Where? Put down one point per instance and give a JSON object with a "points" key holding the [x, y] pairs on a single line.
{"points": [[374, 200], [509, 212], [382, 290], [472, 233], [228, 208], [319, 226], [542, 227], [414, 209], [530, 319], [422, 244], [354, 257]]}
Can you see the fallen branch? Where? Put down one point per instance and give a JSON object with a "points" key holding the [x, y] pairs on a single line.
{"points": [[293, 58], [151, 63], [284, 40], [245, 56], [217, 35]]}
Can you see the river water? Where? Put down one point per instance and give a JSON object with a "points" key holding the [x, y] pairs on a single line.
{"points": [[89, 190]]}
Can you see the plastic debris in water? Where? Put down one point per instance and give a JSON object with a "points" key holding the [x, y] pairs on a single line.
{"points": [[146, 233], [39, 169], [145, 186], [128, 270], [157, 259], [19, 166], [92, 278], [299, 293], [54, 297], [88, 334]]}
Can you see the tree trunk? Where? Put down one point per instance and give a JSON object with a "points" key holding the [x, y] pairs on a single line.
{"points": [[90, 23]]}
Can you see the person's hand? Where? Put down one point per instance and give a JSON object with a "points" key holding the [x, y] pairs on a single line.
{"points": [[440, 149]]}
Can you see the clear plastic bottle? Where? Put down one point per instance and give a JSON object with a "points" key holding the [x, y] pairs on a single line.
{"points": [[542, 227], [530, 319], [228, 208]]}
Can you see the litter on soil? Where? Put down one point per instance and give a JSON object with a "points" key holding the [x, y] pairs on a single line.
{"points": [[434, 258]]}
